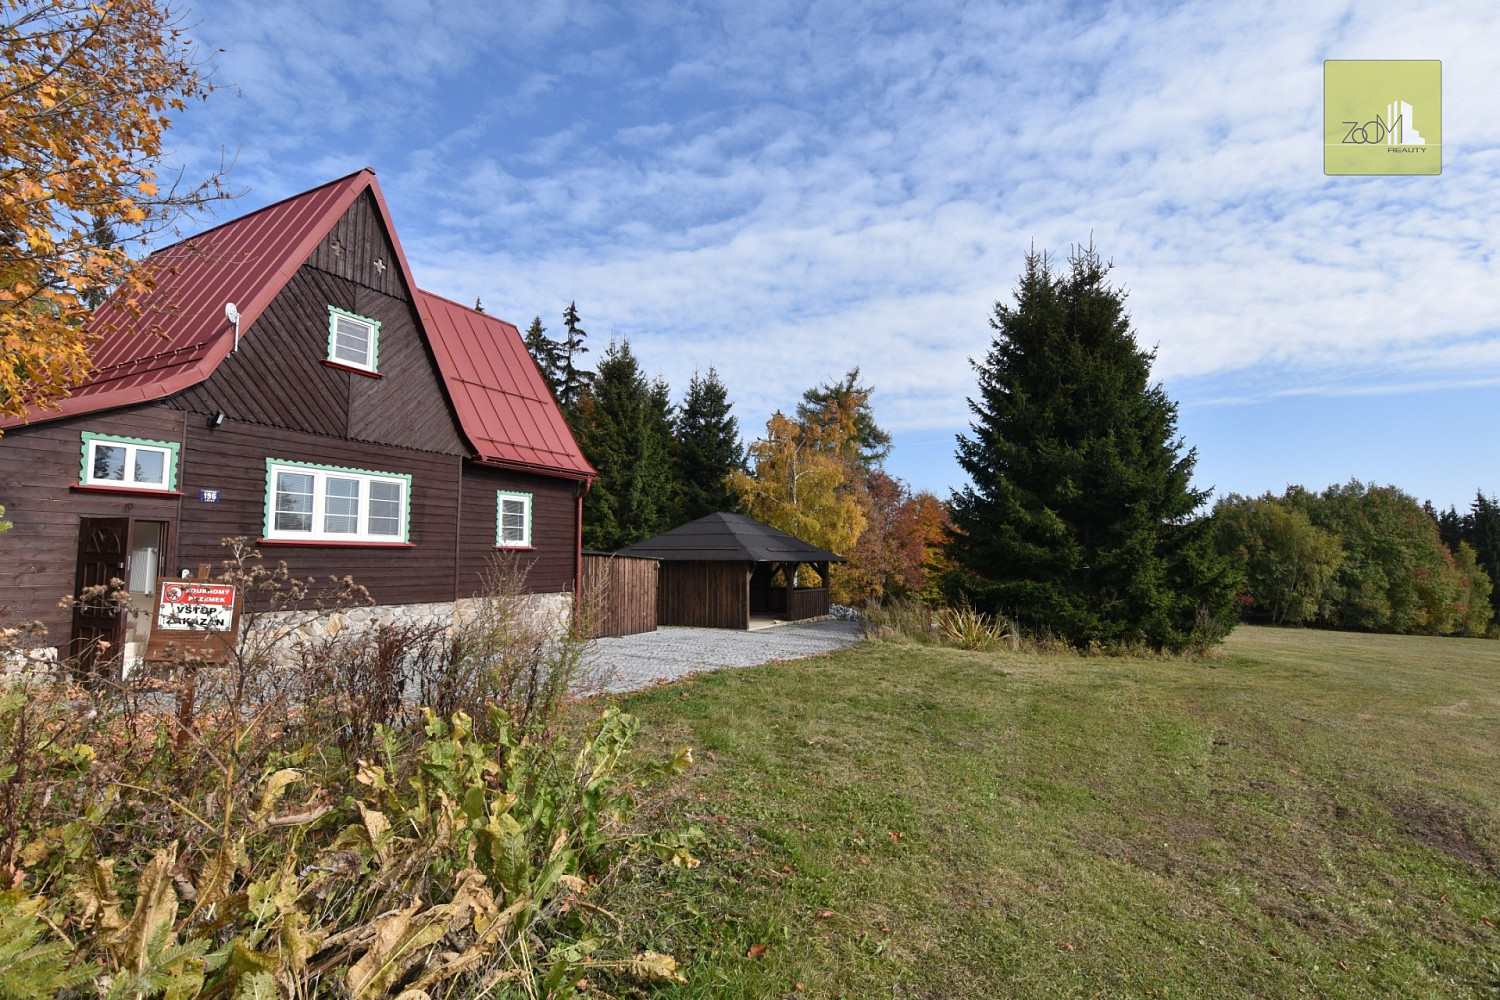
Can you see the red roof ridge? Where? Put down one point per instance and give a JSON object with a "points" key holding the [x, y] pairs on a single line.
{"points": [[257, 211], [471, 309]]}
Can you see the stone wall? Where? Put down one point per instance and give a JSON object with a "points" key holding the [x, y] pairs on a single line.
{"points": [[552, 610]]}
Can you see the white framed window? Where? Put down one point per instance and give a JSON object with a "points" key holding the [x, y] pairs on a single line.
{"points": [[353, 340], [128, 463], [512, 520], [327, 503]]}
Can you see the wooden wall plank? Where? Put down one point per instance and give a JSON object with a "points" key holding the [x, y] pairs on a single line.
{"points": [[704, 594], [549, 564], [38, 465], [278, 377]]}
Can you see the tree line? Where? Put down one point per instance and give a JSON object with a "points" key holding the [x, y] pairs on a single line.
{"points": [[816, 474], [1361, 557]]}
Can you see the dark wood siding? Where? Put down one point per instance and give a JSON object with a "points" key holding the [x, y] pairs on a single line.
{"points": [[232, 460], [278, 378], [550, 562], [353, 247], [38, 467], [704, 594], [811, 602], [619, 594]]}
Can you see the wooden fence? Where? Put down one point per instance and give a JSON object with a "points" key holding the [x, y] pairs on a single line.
{"points": [[619, 594]]}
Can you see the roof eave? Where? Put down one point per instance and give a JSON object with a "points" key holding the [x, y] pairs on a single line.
{"points": [[545, 470]]}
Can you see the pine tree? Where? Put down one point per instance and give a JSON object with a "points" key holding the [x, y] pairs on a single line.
{"points": [[572, 378], [706, 449], [1080, 517], [624, 429], [547, 353]]}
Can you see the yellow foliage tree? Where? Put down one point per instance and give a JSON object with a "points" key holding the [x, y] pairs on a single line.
{"points": [[802, 483], [85, 93]]}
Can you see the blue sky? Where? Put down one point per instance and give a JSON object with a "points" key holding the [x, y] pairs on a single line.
{"points": [[784, 191]]}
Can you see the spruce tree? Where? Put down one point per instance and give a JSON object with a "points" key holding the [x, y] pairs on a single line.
{"points": [[547, 353], [706, 449], [572, 377], [1079, 520], [1483, 535], [624, 430]]}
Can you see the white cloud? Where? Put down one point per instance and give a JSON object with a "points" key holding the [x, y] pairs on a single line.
{"points": [[787, 190]]}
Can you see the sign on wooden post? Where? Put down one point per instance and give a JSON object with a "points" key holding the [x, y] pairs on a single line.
{"points": [[195, 619]]}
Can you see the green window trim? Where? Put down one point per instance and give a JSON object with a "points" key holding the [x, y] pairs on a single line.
{"points": [[272, 464], [172, 448], [500, 497], [334, 312]]}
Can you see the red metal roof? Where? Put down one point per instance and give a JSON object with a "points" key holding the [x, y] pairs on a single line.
{"points": [[181, 334], [505, 408]]}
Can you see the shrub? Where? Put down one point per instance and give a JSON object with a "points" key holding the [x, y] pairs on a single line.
{"points": [[967, 628], [301, 830]]}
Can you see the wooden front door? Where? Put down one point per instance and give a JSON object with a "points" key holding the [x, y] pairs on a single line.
{"points": [[103, 548]]}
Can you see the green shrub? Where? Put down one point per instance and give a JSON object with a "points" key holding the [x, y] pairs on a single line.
{"points": [[314, 835]]}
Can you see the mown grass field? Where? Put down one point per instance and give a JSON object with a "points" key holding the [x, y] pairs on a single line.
{"points": [[1307, 814]]}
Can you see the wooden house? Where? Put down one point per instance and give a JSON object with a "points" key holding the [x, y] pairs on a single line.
{"points": [[287, 381], [721, 570]]}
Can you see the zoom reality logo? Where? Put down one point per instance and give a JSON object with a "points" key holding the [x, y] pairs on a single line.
{"points": [[1355, 141], [1397, 129]]}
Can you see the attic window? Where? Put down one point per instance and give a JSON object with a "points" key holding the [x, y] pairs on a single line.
{"points": [[353, 340]]}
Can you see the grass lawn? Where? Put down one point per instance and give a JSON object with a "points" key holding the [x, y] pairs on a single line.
{"points": [[1307, 814]]}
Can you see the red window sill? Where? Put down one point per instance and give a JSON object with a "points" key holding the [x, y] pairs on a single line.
{"points": [[124, 491], [350, 368], [322, 544], [515, 548]]}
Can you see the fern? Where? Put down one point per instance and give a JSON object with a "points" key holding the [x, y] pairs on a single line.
{"points": [[32, 963]]}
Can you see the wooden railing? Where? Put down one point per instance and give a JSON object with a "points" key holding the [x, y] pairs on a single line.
{"points": [[808, 603]]}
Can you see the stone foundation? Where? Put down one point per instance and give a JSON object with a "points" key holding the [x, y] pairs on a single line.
{"points": [[552, 610]]}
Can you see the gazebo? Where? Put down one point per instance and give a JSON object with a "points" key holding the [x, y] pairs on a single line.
{"points": [[718, 571]]}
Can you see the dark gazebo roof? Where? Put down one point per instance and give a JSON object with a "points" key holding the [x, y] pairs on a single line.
{"points": [[728, 538]]}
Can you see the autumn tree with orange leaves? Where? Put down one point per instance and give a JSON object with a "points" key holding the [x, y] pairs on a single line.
{"points": [[86, 90], [800, 484], [818, 477]]}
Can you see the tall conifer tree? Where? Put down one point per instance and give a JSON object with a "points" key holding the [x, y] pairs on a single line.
{"points": [[624, 429], [1079, 520], [547, 353], [573, 378], [706, 449], [869, 444]]}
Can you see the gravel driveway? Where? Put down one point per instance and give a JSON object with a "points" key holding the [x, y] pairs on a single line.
{"points": [[638, 661]]}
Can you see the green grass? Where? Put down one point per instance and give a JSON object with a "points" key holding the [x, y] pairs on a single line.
{"points": [[1306, 814]]}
